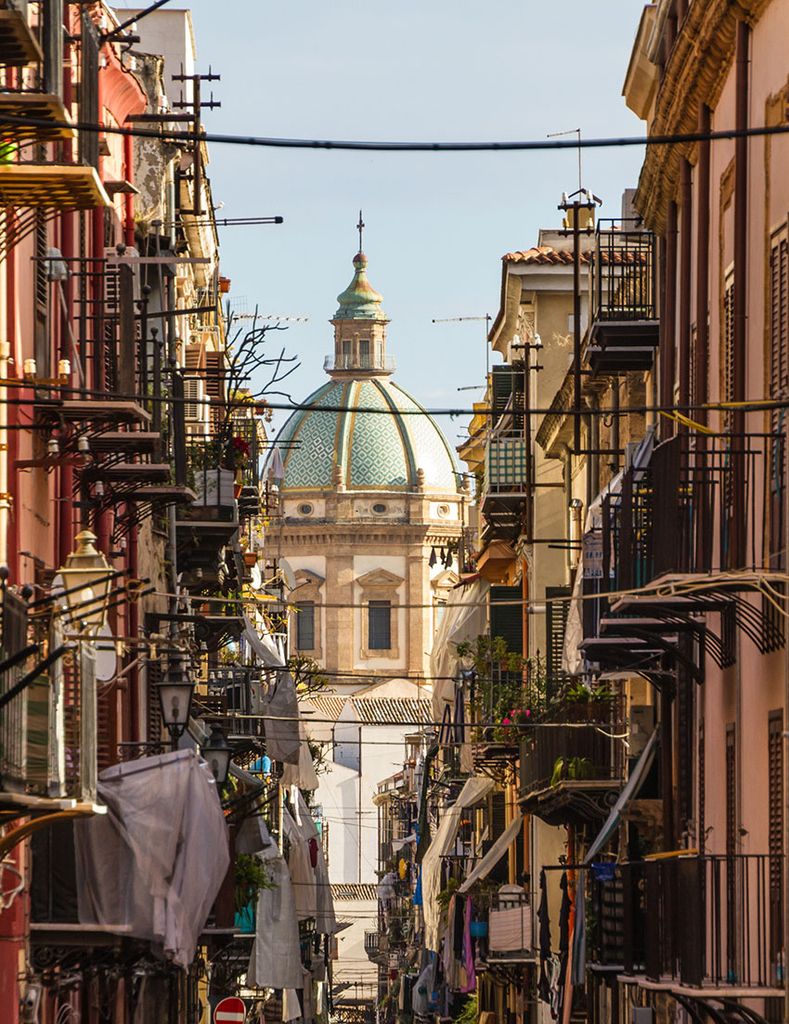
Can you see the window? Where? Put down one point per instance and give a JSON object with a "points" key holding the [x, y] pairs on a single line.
{"points": [[364, 352], [305, 626], [379, 625], [305, 509], [379, 508]]}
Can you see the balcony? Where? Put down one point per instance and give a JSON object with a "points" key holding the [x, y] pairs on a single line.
{"points": [[504, 491], [210, 521], [347, 363], [711, 921], [18, 43], [510, 932], [624, 329], [48, 735], [568, 772], [372, 946]]}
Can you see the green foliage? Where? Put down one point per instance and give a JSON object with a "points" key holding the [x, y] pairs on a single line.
{"points": [[250, 878], [307, 675], [574, 768], [446, 894], [469, 1012]]}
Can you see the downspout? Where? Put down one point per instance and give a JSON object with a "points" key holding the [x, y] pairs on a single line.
{"points": [[740, 289], [668, 319], [701, 391], [685, 252]]}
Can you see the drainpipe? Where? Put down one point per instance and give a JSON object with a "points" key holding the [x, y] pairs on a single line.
{"points": [[740, 323], [668, 319], [701, 392], [685, 252]]}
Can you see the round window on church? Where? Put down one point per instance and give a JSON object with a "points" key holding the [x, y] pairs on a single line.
{"points": [[379, 508], [305, 509]]}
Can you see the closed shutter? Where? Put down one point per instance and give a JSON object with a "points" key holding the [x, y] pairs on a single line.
{"points": [[155, 729], [507, 390], [556, 612], [89, 92], [506, 620], [731, 789], [498, 824]]}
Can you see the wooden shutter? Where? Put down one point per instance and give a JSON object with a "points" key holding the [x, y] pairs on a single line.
{"points": [[154, 708], [89, 91], [556, 612], [506, 620]]}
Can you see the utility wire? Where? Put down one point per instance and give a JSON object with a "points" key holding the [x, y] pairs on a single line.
{"points": [[763, 404], [168, 136]]}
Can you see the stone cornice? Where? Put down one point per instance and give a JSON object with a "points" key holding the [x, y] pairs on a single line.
{"points": [[334, 535], [696, 72]]}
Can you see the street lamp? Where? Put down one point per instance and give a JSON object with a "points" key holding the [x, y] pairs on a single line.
{"points": [[87, 577], [217, 752], [175, 697]]}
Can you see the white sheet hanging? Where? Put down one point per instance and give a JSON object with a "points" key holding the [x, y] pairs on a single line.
{"points": [[473, 791]]}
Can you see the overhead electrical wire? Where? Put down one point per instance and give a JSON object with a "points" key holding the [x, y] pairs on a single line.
{"points": [[762, 404], [526, 145]]}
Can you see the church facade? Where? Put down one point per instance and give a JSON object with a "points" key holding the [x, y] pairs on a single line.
{"points": [[371, 509]]}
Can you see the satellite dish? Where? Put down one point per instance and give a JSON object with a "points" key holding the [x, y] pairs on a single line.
{"points": [[106, 656], [256, 577], [287, 573]]}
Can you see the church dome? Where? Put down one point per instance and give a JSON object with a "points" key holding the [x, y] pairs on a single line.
{"points": [[365, 450]]}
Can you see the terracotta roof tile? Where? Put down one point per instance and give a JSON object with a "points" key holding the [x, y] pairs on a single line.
{"points": [[545, 255], [371, 710], [344, 891]]}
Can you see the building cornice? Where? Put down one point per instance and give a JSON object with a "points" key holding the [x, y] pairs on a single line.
{"points": [[695, 74]]}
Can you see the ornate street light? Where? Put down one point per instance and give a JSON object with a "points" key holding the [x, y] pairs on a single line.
{"points": [[175, 697], [217, 752], [87, 577]]}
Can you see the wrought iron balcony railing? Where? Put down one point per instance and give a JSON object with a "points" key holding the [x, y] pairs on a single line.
{"points": [[711, 920], [575, 746]]}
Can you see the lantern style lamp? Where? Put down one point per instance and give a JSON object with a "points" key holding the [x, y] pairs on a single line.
{"points": [[175, 697], [217, 752], [86, 577]]}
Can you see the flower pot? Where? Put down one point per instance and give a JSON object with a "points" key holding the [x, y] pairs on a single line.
{"points": [[250, 558]]}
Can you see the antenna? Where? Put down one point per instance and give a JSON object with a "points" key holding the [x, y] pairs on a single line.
{"points": [[461, 319], [572, 131]]}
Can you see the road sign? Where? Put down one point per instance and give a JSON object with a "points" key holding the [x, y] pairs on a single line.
{"points": [[230, 1010]]}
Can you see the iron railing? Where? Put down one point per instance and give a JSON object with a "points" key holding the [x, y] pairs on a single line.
{"points": [[576, 744], [703, 504], [711, 920], [624, 272]]}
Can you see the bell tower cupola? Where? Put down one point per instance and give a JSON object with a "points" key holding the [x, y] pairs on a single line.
{"points": [[359, 326]]}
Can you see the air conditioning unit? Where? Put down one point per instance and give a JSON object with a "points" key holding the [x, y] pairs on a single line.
{"points": [[194, 400]]}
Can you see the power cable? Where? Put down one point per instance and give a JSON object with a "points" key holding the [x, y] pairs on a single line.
{"points": [[218, 138]]}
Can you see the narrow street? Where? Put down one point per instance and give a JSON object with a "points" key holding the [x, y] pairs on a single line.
{"points": [[410, 656]]}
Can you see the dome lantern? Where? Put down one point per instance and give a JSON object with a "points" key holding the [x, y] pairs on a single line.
{"points": [[359, 326]]}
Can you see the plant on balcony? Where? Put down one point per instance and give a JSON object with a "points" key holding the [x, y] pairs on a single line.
{"points": [[469, 1012], [250, 877], [572, 768], [236, 453]]}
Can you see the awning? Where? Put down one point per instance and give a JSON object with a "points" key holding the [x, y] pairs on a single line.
{"points": [[495, 853], [610, 826], [474, 790]]}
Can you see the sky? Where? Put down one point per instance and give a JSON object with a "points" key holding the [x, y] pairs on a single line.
{"points": [[437, 224]]}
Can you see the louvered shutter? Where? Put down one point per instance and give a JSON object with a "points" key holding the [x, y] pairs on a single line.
{"points": [[154, 708], [506, 620], [556, 612]]}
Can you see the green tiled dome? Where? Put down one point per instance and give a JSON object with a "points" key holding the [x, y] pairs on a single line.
{"points": [[374, 451]]}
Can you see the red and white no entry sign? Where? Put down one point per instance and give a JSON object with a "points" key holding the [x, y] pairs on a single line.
{"points": [[230, 1010]]}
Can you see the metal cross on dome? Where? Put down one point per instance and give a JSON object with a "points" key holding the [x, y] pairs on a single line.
{"points": [[360, 229]]}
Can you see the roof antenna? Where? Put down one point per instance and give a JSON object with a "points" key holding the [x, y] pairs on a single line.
{"points": [[360, 229]]}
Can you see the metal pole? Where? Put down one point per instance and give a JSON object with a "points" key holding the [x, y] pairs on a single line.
{"points": [[576, 328]]}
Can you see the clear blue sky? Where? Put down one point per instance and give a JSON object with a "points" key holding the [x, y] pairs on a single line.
{"points": [[437, 224]]}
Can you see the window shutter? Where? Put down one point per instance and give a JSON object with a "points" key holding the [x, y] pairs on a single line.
{"points": [[556, 612], [155, 724], [506, 620]]}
